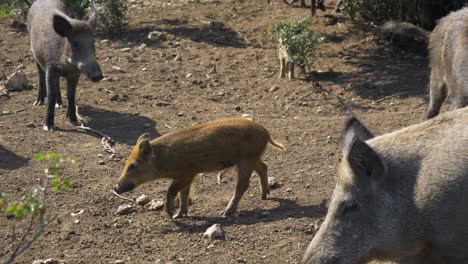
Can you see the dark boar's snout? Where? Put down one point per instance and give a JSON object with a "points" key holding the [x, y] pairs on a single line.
{"points": [[124, 188]]}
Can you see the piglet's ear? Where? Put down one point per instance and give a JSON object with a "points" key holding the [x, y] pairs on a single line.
{"points": [[62, 24], [144, 144]]}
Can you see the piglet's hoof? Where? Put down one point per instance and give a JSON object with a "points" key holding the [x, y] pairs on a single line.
{"points": [[179, 215], [48, 127], [225, 214], [38, 102]]}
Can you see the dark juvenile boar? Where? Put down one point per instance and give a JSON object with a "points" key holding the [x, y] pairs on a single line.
{"points": [[400, 196], [212, 146], [448, 51], [62, 46]]}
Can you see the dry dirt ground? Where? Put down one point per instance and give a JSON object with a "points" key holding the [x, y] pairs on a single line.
{"points": [[171, 84]]}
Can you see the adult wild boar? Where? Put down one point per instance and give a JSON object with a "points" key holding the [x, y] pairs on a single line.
{"points": [[400, 196], [448, 56], [61, 46], [182, 154], [448, 51]]}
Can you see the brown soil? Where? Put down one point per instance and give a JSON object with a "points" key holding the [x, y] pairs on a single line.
{"points": [[157, 93]]}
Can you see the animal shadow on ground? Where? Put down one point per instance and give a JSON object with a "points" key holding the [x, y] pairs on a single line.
{"points": [[213, 33], [11, 161], [286, 209], [123, 128], [377, 77]]}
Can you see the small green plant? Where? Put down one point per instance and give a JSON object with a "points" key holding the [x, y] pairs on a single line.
{"points": [[30, 211], [297, 40]]}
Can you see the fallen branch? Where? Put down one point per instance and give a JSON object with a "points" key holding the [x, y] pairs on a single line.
{"points": [[123, 197], [390, 96], [17, 111]]}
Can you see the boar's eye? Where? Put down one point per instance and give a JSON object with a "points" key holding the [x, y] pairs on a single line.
{"points": [[134, 166], [350, 207]]}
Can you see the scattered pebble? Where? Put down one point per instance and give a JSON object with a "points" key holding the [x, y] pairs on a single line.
{"points": [[126, 209], [100, 155], [237, 108], [154, 205], [188, 75], [77, 213], [101, 162], [125, 49], [17, 81], [273, 183], [142, 200], [215, 232], [49, 261], [117, 68], [30, 125], [273, 88], [119, 261]]}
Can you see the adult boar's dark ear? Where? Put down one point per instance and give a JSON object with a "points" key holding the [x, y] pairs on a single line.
{"points": [[62, 24], [92, 20], [354, 130], [144, 144], [365, 162]]}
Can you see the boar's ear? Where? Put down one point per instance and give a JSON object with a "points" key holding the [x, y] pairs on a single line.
{"points": [[353, 130], [92, 20], [143, 144], [61, 24], [365, 162]]}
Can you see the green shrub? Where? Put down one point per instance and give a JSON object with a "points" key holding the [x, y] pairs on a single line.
{"points": [[297, 40], [112, 12], [30, 210], [113, 15]]}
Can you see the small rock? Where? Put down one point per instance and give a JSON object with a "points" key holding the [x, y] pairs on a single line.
{"points": [[178, 58], [126, 209], [142, 200], [77, 213], [117, 68], [49, 261], [273, 88], [101, 162], [248, 116], [21, 67], [104, 41], [119, 261], [215, 232], [273, 183], [144, 69], [141, 47], [17, 81], [76, 221], [241, 260], [114, 97], [237, 108], [30, 125], [188, 75], [156, 35], [180, 114], [100, 155], [154, 205], [289, 189], [125, 49]]}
